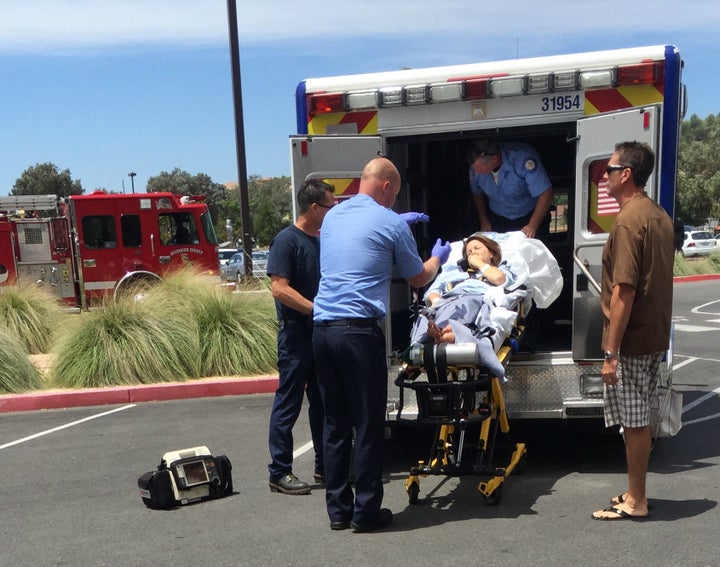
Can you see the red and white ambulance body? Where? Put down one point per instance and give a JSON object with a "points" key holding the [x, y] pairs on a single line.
{"points": [[94, 245], [572, 109]]}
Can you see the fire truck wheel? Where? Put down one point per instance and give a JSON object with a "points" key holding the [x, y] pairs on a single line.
{"points": [[135, 287]]}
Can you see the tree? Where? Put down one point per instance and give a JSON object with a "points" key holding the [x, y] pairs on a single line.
{"points": [[698, 183], [45, 179], [270, 206]]}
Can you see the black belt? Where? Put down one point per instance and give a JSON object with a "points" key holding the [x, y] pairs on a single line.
{"points": [[348, 323]]}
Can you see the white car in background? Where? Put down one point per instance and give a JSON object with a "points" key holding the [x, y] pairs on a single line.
{"points": [[259, 263], [698, 243], [224, 255]]}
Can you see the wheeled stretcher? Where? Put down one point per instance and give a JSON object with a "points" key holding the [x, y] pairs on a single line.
{"points": [[458, 386]]}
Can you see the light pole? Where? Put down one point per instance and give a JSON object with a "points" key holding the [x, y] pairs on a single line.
{"points": [[132, 175]]}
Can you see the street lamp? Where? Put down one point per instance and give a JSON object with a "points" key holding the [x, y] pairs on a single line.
{"points": [[132, 175]]}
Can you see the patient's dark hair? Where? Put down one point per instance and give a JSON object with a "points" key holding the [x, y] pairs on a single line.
{"points": [[490, 244]]}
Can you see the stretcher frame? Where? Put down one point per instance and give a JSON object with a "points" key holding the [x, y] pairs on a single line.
{"points": [[453, 397]]}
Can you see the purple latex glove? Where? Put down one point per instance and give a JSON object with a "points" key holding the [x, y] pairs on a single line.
{"points": [[441, 251], [412, 218]]}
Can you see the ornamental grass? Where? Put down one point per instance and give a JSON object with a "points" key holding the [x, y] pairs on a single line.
{"points": [[17, 373], [237, 332], [31, 314], [126, 341]]}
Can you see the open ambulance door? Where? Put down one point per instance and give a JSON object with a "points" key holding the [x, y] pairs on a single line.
{"points": [[339, 160], [595, 212]]}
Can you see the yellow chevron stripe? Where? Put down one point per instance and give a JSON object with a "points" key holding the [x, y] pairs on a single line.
{"points": [[590, 108], [319, 124], [372, 126], [641, 95]]}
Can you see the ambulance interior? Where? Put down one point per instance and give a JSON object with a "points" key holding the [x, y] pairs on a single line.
{"points": [[435, 181]]}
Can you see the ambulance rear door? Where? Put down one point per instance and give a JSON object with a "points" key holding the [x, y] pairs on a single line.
{"points": [[595, 212], [337, 159]]}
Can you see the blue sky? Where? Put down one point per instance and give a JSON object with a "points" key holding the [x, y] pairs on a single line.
{"points": [[106, 87]]}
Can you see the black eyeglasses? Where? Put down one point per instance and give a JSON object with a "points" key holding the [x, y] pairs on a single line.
{"points": [[610, 168], [325, 206]]}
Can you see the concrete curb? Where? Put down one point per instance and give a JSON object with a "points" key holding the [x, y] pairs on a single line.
{"points": [[696, 278], [56, 399]]}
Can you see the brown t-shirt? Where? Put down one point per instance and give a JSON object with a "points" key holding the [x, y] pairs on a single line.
{"points": [[640, 252]]}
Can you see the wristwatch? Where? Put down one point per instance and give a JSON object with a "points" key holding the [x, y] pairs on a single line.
{"points": [[610, 355]]}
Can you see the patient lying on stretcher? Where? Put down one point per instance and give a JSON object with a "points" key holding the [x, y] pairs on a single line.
{"points": [[459, 307]]}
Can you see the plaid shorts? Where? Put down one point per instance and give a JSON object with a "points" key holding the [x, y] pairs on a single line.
{"points": [[629, 402]]}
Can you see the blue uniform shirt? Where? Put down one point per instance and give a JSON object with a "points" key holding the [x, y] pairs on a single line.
{"points": [[521, 180], [360, 243]]}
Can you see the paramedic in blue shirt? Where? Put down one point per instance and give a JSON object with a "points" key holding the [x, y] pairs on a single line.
{"points": [[294, 270], [362, 244], [510, 188]]}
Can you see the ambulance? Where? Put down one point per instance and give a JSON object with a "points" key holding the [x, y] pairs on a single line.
{"points": [[86, 247], [572, 109]]}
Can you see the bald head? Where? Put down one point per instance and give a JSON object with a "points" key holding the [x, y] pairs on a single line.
{"points": [[380, 180]]}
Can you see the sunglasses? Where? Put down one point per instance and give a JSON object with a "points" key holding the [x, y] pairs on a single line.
{"points": [[325, 206], [610, 168]]}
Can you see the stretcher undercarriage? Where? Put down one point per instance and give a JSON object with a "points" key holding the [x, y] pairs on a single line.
{"points": [[453, 393]]}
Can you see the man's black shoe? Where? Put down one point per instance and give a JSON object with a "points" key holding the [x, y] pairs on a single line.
{"points": [[289, 484], [382, 520], [339, 525]]}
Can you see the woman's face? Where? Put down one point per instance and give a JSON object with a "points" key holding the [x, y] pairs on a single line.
{"points": [[477, 248]]}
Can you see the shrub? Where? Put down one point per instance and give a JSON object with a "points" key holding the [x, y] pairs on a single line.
{"points": [[17, 373], [237, 331], [31, 314], [126, 342]]}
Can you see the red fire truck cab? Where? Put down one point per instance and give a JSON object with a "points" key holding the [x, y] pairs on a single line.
{"points": [[92, 246]]}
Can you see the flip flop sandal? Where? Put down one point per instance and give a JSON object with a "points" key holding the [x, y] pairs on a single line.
{"points": [[619, 499], [621, 515]]}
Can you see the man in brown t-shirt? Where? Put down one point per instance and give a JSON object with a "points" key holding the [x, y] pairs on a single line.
{"points": [[636, 299]]}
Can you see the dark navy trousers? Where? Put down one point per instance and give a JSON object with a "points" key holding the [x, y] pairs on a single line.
{"points": [[352, 374], [296, 369]]}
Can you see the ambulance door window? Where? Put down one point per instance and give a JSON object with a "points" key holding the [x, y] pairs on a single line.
{"points": [[99, 231], [131, 232], [602, 208]]}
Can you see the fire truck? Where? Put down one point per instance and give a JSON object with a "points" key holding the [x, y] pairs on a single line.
{"points": [[572, 109], [86, 247]]}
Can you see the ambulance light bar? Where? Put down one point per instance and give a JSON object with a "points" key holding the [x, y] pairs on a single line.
{"points": [[597, 79], [390, 96], [446, 92], [510, 86], [480, 88], [361, 100]]}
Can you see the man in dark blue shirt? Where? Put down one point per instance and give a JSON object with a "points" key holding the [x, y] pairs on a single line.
{"points": [[294, 270]]}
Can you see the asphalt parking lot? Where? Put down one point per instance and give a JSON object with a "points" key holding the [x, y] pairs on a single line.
{"points": [[69, 488]]}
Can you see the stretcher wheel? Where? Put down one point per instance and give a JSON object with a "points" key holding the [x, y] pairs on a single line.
{"points": [[522, 465], [413, 492], [494, 498]]}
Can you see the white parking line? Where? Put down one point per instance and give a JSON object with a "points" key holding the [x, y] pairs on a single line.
{"points": [[694, 328], [684, 362], [304, 449], [61, 427], [701, 399]]}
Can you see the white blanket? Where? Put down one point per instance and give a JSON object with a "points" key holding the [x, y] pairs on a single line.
{"points": [[537, 279]]}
